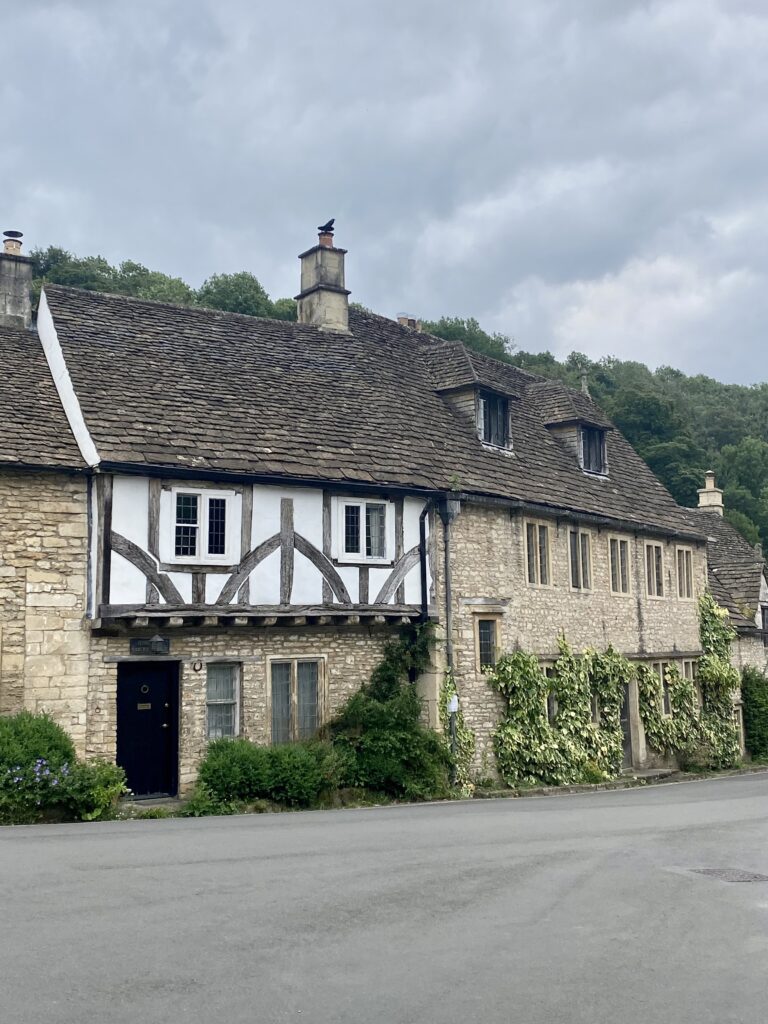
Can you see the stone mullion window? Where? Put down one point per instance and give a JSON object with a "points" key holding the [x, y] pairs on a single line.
{"points": [[580, 549], [538, 560], [618, 551], [654, 569], [296, 699], [222, 700], [685, 574]]}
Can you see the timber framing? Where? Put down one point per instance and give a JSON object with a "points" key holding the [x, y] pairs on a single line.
{"points": [[137, 617]]}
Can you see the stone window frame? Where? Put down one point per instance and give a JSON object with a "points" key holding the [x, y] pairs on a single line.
{"points": [[580, 532], [684, 549], [481, 615], [342, 557], [231, 530], [322, 687], [538, 523], [619, 540], [238, 667], [654, 596]]}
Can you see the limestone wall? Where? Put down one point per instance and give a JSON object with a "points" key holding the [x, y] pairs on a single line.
{"points": [[489, 578], [43, 563], [349, 653], [750, 652]]}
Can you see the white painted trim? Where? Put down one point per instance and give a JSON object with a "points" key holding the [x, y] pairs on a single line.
{"points": [[49, 339]]}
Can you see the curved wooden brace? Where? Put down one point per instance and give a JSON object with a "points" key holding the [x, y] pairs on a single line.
{"points": [[246, 567], [323, 563], [146, 564], [398, 574]]}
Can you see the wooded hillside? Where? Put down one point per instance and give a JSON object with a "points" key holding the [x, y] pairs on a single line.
{"points": [[681, 425]]}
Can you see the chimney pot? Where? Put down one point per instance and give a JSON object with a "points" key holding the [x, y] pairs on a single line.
{"points": [[408, 321]]}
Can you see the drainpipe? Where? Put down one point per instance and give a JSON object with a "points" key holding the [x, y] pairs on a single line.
{"points": [[448, 510]]}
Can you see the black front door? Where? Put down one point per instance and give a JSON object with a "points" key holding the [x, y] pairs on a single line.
{"points": [[148, 726], [625, 729]]}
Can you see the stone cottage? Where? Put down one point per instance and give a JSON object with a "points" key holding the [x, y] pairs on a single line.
{"points": [[212, 523]]}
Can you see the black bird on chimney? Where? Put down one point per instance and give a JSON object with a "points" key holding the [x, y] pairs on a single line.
{"points": [[327, 229]]}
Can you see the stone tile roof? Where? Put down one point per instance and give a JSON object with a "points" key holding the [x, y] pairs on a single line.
{"points": [[558, 403], [452, 366], [198, 389], [736, 569], [33, 428]]}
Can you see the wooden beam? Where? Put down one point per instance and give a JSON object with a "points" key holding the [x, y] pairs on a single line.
{"points": [[327, 591], [286, 550]]}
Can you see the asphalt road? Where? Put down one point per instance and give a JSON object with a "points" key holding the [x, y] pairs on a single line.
{"points": [[584, 908]]}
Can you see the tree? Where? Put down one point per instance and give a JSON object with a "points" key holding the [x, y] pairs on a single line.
{"points": [[469, 331], [237, 293]]}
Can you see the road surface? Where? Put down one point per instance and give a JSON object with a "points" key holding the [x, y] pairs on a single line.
{"points": [[582, 908]]}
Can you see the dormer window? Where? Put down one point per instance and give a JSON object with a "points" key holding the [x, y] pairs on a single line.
{"points": [[493, 419], [593, 450]]}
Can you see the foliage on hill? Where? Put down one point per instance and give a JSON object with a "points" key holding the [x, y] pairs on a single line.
{"points": [[681, 425]]}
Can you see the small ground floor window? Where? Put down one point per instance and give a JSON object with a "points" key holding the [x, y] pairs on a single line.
{"points": [[295, 692], [222, 698]]}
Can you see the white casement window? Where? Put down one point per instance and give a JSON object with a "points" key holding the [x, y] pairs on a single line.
{"points": [[537, 554], [618, 551], [365, 530], [296, 688], [201, 526], [222, 700], [661, 668], [654, 570], [593, 450], [685, 574], [580, 546]]}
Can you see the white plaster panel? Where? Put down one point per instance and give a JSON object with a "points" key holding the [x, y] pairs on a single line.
{"points": [[128, 585], [214, 583], [307, 513], [183, 583], [265, 580], [376, 580], [412, 508], [351, 576], [130, 509], [413, 585], [307, 581]]}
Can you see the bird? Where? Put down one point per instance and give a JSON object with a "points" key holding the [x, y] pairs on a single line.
{"points": [[327, 228]]}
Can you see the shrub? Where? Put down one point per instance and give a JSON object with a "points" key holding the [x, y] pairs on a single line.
{"points": [[26, 738], [92, 789], [236, 770], [294, 774], [754, 694], [387, 747], [203, 802], [40, 775]]}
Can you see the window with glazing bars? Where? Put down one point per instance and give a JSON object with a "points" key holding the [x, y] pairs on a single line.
{"points": [[537, 553], [581, 562], [593, 450], [493, 419], [295, 700], [365, 529], [654, 570], [486, 642], [198, 515], [619, 556], [222, 700]]}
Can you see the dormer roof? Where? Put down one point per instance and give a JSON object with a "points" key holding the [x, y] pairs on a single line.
{"points": [[560, 405]]}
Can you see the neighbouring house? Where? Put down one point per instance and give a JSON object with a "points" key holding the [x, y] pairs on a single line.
{"points": [[738, 578], [213, 523]]}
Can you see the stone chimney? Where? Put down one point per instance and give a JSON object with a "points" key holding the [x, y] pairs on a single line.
{"points": [[323, 300], [15, 283], [411, 322], [711, 496]]}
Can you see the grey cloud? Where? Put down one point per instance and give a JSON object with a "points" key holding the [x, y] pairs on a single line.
{"points": [[585, 176]]}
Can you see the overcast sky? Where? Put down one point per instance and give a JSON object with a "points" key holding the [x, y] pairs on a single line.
{"points": [[578, 174]]}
